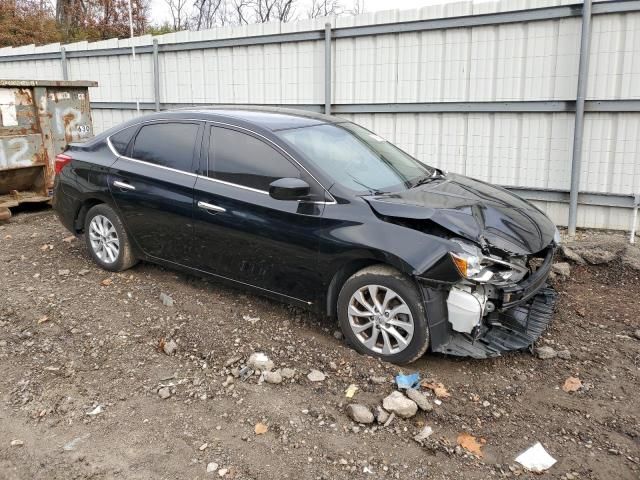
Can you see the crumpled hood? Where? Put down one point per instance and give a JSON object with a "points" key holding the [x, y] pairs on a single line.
{"points": [[473, 210]]}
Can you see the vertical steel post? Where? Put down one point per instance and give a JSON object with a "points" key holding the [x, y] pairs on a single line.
{"points": [[63, 63], [327, 68], [576, 157], [156, 75]]}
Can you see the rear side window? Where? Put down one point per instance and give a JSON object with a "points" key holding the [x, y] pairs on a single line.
{"points": [[120, 140], [242, 159], [167, 144]]}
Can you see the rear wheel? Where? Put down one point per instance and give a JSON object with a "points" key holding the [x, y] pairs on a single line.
{"points": [[381, 314], [107, 239]]}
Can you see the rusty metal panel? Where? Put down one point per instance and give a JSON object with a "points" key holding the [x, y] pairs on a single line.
{"points": [[38, 119]]}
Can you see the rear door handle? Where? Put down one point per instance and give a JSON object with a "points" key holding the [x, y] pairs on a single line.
{"points": [[124, 185], [209, 206]]}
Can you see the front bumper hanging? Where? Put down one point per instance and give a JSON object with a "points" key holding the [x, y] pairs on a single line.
{"points": [[507, 330]]}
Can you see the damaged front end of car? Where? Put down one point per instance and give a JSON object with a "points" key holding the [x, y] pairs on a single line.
{"points": [[501, 303]]}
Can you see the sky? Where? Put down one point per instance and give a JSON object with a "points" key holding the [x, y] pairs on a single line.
{"points": [[160, 11]]}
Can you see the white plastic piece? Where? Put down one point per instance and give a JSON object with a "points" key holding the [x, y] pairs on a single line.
{"points": [[465, 310], [536, 459]]}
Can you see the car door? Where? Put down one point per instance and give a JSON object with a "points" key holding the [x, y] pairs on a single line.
{"points": [[243, 234], [152, 186]]}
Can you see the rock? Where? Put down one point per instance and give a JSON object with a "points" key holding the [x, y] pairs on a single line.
{"points": [[637, 334], [561, 268], [212, 467], [83, 272], [17, 443], [96, 411], [424, 434], [272, 377], [545, 353], [316, 376], [170, 347], [420, 399], [164, 393], [486, 404], [259, 361], [600, 249], [402, 406], [223, 471], [338, 335], [231, 361], [64, 272], [564, 354], [381, 415], [376, 380], [288, 373], [167, 301], [359, 413], [569, 254]]}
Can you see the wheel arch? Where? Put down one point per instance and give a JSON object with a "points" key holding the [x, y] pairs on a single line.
{"points": [[81, 214]]}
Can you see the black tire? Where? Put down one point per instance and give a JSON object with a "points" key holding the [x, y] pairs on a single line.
{"points": [[388, 278], [125, 258]]}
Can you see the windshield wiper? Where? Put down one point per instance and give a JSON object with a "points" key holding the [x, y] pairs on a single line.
{"points": [[372, 191], [427, 179]]}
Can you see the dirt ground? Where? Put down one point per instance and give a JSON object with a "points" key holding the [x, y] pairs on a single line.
{"points": [[74, 337]]}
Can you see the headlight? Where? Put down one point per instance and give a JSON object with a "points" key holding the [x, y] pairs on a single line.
{"points": [[472, 264]]}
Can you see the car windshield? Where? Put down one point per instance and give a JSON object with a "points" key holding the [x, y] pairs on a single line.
{"points": [[357, 158]]}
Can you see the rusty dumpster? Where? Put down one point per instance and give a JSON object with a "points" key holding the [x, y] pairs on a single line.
{"points": [[37, 120]]}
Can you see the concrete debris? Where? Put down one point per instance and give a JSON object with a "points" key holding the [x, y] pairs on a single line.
{"points": [[316, 376], [637, 334], [96, 411], [212, 467], [64, 272], [561, 268], [420, 399], [259, 361], [164, 393], [360, 413], [231, 361], [167, 301], [272, 377], [545, 353], [389, 420], [536, 459], [424, 434], [17, 443], [381, 415], [222, 472], [170, 347], [569, 254], [564, 354], [288, 373], [250, 319], [402, 406]]}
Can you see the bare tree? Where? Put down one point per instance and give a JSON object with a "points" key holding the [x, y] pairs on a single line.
{"points": [[357, 8], [205, 13], [272, 10], [179, 14], [325, 8]]}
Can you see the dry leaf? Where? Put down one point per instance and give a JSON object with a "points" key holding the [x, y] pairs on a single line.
{"points": [[43, 319], [161, 344], [106, 282], [438, 388], [470, 444], [69, 239], [261, 428], [572, 384]]}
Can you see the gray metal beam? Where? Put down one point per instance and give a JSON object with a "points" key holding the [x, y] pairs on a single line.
{"points": [[156, 75], [597, 199], [578, 131], [530, 15], [592, 106], [63, 63], [327, 68]]}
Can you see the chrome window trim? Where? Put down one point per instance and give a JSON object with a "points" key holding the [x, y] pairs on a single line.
{"points": [[215, 122]]}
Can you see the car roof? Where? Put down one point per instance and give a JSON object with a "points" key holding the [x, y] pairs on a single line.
{"points": [[268, 118]]}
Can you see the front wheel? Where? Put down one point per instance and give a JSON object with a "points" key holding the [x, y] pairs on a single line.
{"points": [[381, 314], [107, 239]]}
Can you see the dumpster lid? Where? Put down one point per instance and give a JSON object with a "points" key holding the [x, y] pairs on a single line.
{"points": [[48, 83]]}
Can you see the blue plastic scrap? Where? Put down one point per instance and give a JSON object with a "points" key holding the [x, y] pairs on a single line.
{"points": [[407, 381]]}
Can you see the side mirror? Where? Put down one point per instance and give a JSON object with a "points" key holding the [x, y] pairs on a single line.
{"points": [[289, 189]]}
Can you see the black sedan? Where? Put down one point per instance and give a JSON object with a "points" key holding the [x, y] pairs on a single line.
{"points": [[321, 213]]}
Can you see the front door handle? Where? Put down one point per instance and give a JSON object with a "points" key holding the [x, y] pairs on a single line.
{"points": [[209, 206], [124, 185]]}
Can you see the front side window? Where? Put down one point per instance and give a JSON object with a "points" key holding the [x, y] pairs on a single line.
{"points": [[357, 158], [242, 159], [167, 144]]}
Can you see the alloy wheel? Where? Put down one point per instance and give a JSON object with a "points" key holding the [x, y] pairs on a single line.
{"points": [[380, 319], [104, 239]]}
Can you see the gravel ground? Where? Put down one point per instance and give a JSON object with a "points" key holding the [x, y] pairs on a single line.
{"points": [[88, 389]]}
